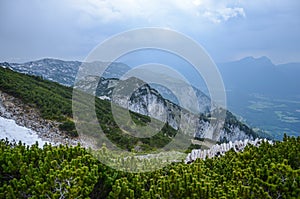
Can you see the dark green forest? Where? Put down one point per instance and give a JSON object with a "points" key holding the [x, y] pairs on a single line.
{"points": [[268, 171]]}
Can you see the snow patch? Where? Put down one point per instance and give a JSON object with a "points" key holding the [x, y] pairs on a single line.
{"points": [[13, 132]]}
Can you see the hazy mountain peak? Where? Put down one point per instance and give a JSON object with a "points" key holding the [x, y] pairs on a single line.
{"points": [[265, 61]]}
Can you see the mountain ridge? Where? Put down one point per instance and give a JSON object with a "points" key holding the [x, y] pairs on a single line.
{"points": [[233, 128]]}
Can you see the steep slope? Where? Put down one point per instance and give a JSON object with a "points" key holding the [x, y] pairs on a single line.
{"points": [[54, 102], [148, 101]]}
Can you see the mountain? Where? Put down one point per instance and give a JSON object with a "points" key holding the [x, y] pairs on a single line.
{"points": [[75, 172], [147, 101], [262, 76], [64, 72], [265, 95], [46, 107]]}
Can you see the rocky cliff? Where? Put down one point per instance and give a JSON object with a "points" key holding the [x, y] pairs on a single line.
{"points": [[137, 96]]}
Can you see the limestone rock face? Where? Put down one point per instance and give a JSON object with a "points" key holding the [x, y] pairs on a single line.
{"points": [[137, 96]]}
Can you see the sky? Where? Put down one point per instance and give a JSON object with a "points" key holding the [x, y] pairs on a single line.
{"points": [[227, 29]]}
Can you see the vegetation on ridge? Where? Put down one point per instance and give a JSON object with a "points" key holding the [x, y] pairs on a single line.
{"points": [[268, 171]]}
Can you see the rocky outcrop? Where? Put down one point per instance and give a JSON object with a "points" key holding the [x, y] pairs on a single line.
{"points": [[137, 96]]}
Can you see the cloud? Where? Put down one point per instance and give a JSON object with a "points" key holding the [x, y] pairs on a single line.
{"points": [[156, 11], [224, 14], [69, 29]]}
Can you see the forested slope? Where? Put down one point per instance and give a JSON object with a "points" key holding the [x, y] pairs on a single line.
{"points": [[54, 102]]}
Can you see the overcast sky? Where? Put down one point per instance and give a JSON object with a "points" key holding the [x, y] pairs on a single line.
{"points": [[227, 29]]}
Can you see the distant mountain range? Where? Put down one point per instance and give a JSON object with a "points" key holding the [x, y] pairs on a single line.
{"points": [[265, 95], [248, 74], [260, 75], [63, 72]]}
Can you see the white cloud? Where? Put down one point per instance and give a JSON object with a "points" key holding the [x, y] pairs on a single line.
{"points": [[218, 16], [157, 12]]}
